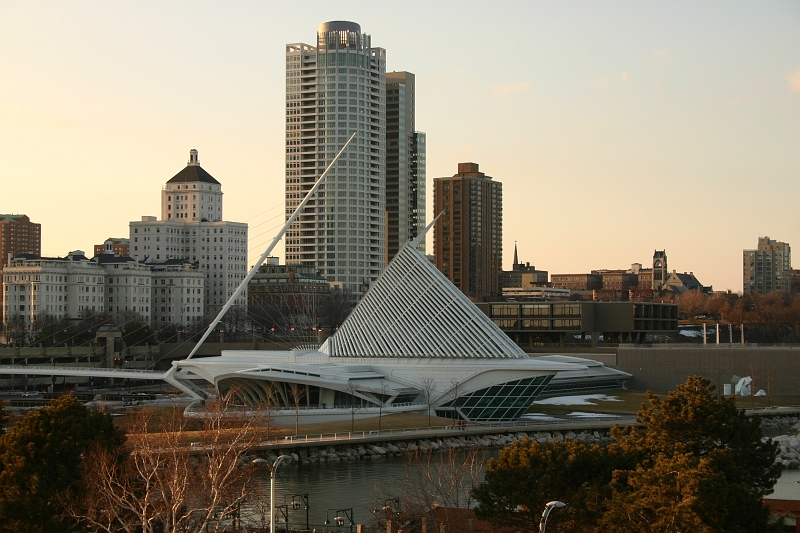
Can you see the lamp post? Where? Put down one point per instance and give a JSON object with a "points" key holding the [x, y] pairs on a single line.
{"points": [[275, 466], [341, 515], [298, 502], [546, 513]]}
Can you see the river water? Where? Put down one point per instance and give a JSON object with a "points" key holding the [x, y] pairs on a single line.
{"points": [[364, 485], [361, 485]]}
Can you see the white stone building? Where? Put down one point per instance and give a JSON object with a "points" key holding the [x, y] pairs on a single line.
{"points": [[128, 286], [191, 228], [58, 287], [178, 293]]}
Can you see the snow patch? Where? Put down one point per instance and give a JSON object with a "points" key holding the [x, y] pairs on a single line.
{"points": [[577, 400], [579, 414]]}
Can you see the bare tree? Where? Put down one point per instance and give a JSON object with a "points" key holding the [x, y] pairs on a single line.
{"points": [[297, 394], [692, 303], [383, 395], [15, 330], [753, 367], [173, 479], [354, 403], [428, 394], [768, 379], [335, 308], [442, 481]]}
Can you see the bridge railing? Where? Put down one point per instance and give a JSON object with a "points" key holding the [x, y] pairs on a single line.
{"points": [[470, 429]]}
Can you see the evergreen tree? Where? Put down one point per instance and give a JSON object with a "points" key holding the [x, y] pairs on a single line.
{"points": [[696, 463], [707, 451], [40, 458]]}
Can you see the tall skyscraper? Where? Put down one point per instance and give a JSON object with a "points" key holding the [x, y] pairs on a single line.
{"points": [[335, 88], [18, 235], [767, 268], [405, 165], [191, 227], [468, 240]]}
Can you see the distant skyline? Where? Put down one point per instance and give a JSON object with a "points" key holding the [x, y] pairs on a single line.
{"points": [[616, 128]]}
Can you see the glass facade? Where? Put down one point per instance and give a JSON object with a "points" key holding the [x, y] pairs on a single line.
{"points": [[498, 403]]}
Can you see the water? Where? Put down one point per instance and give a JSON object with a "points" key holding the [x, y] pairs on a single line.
{"points": [[361, 485], [364, 485]]}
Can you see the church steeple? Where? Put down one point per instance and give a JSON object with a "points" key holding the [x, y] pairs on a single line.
{"points": [[516, 259]]}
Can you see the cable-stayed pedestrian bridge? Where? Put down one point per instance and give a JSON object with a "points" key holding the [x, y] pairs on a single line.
{"points": [[81, 372]]}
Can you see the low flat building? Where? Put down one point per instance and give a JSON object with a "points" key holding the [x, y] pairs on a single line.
{"points": [[532, 324], [577, 282], [535, 293]]}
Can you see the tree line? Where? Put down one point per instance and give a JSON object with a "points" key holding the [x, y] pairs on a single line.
{"points": [[67, 468], [768, 318], [696, 464]]}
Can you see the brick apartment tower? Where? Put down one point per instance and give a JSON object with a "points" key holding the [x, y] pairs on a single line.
{"points": [[468, 239], [18, 235], [767, 268]]}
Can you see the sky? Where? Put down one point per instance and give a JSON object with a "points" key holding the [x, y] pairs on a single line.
{"points": [[616, 128]]}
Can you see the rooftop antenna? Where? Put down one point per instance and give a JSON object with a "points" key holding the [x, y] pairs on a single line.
{"points": [[268, 251]]}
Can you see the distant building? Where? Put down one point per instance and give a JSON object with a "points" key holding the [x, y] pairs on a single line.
{"points": [[114, 245], [523, 275], [660, 271], [468, 240], [795, 283], [286, 294], [191, 228], [577, 282], [336, 87], [178, 293], [767, 268], [54, 287], [169, 292], [405, 165], [535, 293], [18, 235], [617, 280], [682, 282], [530, 324], [127, 287]]}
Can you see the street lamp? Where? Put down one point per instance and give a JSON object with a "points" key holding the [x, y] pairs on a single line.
{"points": [[546, 513], [341, 516], [275, 466], [300, 501]]}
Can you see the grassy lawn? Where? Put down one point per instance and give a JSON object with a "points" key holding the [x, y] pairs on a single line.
{"points": [[630, 401]]}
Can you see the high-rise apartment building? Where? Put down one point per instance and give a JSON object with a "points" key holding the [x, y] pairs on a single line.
{"points": [[767, 268], [334, 88], [468, 240], [405, 165], [18, 235], [191, 227]]}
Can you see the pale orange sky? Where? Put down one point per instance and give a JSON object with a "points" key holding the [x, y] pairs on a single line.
{"points": [[617, 128]]}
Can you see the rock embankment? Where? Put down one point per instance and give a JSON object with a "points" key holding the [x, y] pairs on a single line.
{"points": [[398, 448], [788, 444]]}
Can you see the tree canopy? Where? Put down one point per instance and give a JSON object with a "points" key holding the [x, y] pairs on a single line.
{"points": [[40, 457], [695, 464]]}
